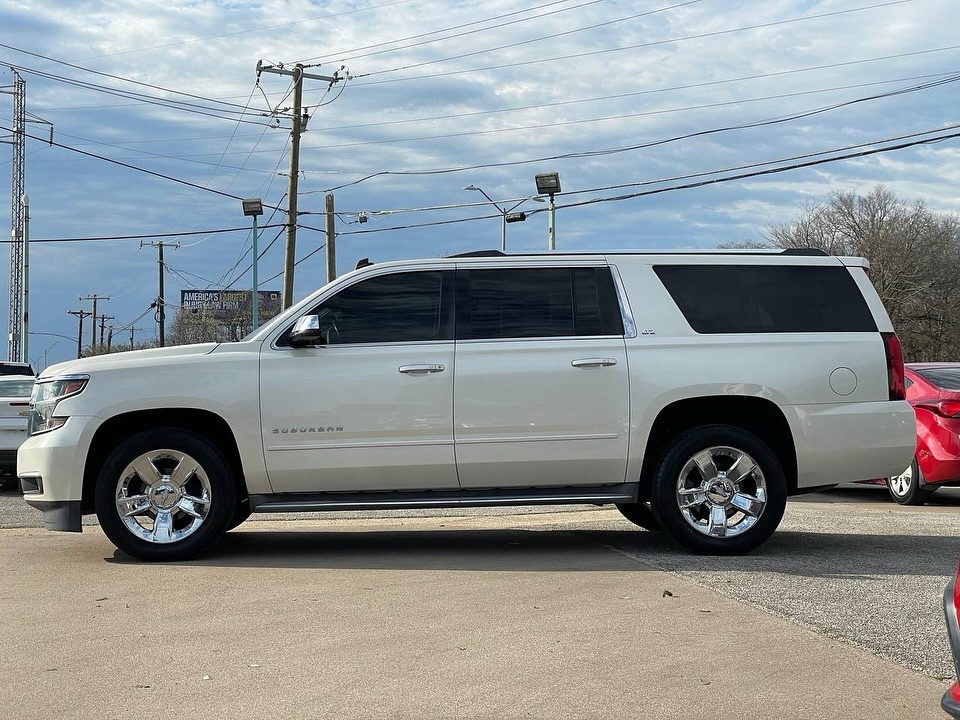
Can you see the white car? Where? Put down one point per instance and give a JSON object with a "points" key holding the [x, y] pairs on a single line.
{"points": [[696, 391], [15, 393]]}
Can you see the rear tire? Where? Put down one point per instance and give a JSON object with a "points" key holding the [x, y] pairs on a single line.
{"points": [[719, 490], [165, 494], [640, 513], [906, 488]]}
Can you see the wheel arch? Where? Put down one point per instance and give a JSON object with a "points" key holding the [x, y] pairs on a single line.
{"points": [[115, 430], [757, 415]]}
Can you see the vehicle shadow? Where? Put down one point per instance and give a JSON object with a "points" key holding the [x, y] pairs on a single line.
{"points": [[806, 554]]}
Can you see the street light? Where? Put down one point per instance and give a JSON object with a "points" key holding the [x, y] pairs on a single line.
{"points": [[548, 184], [252, 207], [507, 215]]}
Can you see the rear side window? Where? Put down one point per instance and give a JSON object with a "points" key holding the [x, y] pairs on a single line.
{"points": [[536, 302], [767, 298]]}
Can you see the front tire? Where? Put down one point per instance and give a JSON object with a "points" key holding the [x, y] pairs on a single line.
{"points": [[719, 490], [165, 494], [907, 488]]}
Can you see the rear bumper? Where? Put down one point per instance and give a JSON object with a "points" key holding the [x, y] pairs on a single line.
{"points": [[850, 442]]}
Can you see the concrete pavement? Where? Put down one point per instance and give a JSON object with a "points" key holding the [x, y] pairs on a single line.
{"points": [[466, 617]]}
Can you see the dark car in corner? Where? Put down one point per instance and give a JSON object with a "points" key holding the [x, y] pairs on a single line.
{"points": [[951, 608]]}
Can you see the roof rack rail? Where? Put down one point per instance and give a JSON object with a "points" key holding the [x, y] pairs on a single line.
{"points": [[480, 253], [805, 251]]}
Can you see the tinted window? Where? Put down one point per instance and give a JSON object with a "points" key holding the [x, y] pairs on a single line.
{"points": [[946, 378], [537, 302], [13, 368], [16, 388], [767, 298], [402, 307]]}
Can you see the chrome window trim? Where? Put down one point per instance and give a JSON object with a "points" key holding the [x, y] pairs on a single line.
{"points": [[626, 313]]}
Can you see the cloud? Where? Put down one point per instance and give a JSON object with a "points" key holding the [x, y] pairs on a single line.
{"points": [[500, 90]]}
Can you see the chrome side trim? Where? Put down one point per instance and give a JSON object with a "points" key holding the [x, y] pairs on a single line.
{"points": [[320, 502], [539, 438]]}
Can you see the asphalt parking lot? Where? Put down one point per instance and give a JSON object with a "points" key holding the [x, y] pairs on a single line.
{"points": [[544, 613]]}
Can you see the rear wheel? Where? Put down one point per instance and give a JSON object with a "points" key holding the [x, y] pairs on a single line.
{"points": [[719, 490], [907, 488], [165, 494], [640, 513]]}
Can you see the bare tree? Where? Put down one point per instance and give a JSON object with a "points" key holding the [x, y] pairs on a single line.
{"points": [[913, 254]]}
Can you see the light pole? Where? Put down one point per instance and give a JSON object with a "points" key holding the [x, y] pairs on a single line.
{"points": [[252, 207], [548, 184], [507, 215], [47, 351], [26, 278]]}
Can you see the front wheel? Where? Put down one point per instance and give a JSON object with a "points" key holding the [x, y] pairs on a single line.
{"points": [[165, 494], [907, 488], [719, 490]]}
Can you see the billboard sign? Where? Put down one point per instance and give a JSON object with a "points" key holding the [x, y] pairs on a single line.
{"points": [[230, 304]]}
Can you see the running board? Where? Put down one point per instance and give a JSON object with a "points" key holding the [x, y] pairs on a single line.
{"points": [[404, 500]]}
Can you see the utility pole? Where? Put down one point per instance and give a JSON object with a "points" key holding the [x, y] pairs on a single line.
{"points": [[331, 246], [103, 321], [93, 321], [161, 308], [17, 336], [80, 314], [299, 117]]}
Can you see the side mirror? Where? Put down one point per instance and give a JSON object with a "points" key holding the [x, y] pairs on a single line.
{"points": [[306, 332]]}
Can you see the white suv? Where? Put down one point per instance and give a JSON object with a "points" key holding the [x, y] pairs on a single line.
{"points": [[696, 391]]}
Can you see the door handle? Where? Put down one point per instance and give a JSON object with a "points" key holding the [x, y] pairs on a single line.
{"points": [[420, 369], [594, 362]]}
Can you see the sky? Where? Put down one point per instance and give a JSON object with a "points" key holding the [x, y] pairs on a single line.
{"points": [[671, 124]]}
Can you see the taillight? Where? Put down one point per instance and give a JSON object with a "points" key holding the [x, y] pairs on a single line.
{"points": [[943, 408], [895, 378]]}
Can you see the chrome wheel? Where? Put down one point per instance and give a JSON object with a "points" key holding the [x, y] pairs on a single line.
{"points": [[163, 496], [721, 492]]}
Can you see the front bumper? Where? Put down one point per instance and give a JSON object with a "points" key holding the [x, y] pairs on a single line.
{"points": [[61, 515], [50, 467]]}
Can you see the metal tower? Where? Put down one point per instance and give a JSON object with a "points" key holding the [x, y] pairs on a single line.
{"points": [[15, 325]]}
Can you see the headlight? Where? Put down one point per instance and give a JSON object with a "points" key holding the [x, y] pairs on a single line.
{"points": [[47, 394]]}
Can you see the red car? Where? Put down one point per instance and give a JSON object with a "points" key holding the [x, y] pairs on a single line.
{"points": [[951, 608], [934, 391]]}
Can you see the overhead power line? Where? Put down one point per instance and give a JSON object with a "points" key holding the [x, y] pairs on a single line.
{"points": [[622, 48], [663, 141], [112, 77], [130, 167], [149, 236], [672, 188]]}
